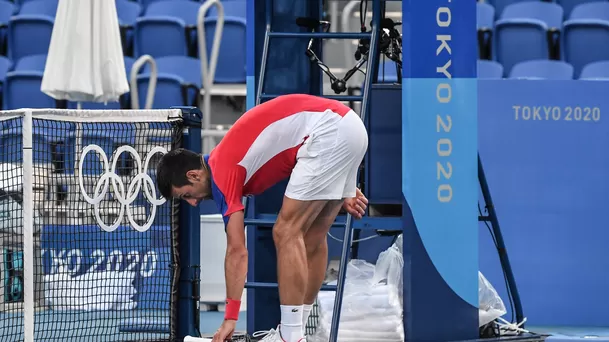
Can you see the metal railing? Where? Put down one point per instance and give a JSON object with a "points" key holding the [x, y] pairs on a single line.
{"points": [[208, 71], [139, 63]]}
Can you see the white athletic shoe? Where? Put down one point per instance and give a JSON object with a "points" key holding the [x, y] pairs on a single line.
{"points": [[272, 335]]}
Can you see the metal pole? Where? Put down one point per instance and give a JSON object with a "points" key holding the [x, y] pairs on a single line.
{"points": [[342, 274]]}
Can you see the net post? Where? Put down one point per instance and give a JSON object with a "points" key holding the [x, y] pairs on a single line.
{"points": [[28, 228], [189, 240]]}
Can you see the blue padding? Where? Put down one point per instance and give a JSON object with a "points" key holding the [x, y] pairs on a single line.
{"points": [[143, 325], [539, 142], [385, 145]]}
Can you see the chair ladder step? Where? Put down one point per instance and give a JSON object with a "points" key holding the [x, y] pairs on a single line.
{"points": [[328, 35], [263, 285], [356, 98]]}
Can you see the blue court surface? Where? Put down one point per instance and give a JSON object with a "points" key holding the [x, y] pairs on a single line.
{"points": [[210, 321], [93, 326], [569, 333]]}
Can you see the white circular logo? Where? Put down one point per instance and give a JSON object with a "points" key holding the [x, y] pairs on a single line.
{"points": [[125, 199]]}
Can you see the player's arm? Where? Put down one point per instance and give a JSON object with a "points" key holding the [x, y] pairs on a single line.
{"points": [[227, 190], [235, 263]]}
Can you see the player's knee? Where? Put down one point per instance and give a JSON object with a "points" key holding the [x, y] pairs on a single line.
{"points": [[284, 233]]}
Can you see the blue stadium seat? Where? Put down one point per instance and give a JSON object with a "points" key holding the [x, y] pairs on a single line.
{"points": [[569, 5], [485, 20], [500, 5], [146, 3], [231, 59], [126, 99], [11, 142], [178, 83], [7, 9], [29, 35], [595, 71], [523, 32], [489, 70], [49, 137], [127, 12], [485, 15], [586, 35], [31, 63], [542, 70], [39, 7], [109, 136], [387, 72], [129, 65], [5, 66], [22, 90], [167, 28]]}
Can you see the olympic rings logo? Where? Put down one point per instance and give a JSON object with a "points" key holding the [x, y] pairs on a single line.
{"points": [[125, 199]]}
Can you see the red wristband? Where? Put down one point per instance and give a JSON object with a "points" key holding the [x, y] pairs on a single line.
{"points": [[231, 311]]}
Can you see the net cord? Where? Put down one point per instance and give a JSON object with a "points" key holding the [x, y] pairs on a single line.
{"points": [[28, 229], [95, 116]]}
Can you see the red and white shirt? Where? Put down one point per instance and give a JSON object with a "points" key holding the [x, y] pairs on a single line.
{"points": [[260, 148]]}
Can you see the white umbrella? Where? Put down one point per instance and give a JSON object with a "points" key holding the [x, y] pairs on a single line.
{"points": [[85, 58]]}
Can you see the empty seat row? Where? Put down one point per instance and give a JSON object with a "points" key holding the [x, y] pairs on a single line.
{"points": [[536, 30], [567, 5], [21, 82], [178, 83], [174, 22], [544, 70]]}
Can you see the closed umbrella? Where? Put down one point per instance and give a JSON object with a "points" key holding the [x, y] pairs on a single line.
{"points": [[85, 58]]}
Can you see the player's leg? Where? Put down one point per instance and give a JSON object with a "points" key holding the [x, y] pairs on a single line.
{"points": [[351, 146], [293, 221], [346, 159], [324, 164], [316, 244]]}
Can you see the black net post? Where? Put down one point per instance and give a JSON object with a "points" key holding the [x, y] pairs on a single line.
{"points": [[189, 241]]}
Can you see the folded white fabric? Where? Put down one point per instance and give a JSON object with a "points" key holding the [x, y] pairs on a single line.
{"points": [[371, 310], [92, 291]]}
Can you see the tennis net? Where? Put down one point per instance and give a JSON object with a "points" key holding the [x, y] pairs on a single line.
{"points": [[87, 244]]}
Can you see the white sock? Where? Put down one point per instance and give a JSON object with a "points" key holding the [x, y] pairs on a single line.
{"points": [[291, 323], [306, 311]]}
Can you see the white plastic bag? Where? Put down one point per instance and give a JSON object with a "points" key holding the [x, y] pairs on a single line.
{"points": [[490, 304], [371, 310], [389, 270]]}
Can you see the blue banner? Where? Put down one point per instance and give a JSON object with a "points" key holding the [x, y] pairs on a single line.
{"points": [[543, 145], [439, 166], [88, 250]]}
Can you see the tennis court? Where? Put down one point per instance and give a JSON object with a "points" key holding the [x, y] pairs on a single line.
{"points": [[97, 326]]}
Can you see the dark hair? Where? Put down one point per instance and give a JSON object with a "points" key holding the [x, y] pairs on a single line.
{"points": [[172, 169]]}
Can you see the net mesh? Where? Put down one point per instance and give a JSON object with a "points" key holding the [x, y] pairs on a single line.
{"points": [[103, 236]]}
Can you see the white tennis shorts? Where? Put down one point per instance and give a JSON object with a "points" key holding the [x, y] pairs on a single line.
{"points": [[327, 163]]}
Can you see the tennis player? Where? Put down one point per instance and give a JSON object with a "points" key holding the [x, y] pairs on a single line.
{"points": [[319, 144]]}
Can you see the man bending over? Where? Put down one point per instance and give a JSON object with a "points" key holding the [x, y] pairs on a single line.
{"points": [[317, 143]]}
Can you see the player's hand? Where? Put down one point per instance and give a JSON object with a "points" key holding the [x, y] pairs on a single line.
{"points": [[225, 333], [356, 206]]}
